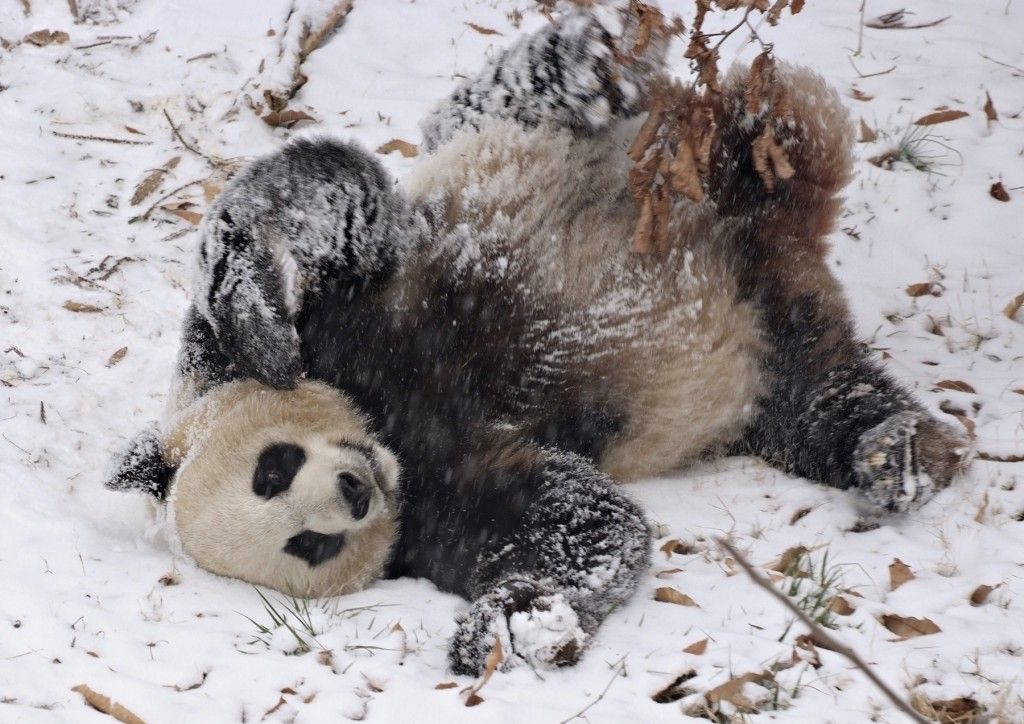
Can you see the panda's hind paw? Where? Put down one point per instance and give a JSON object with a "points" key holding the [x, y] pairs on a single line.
{"points": [[903, 461]]}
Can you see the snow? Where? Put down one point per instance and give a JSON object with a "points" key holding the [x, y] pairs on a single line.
{"points": [[81, 599]]}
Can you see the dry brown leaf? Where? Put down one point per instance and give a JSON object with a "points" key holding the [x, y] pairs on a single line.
{"points": [[405, 148], [858, 95], [446, 685], [182, 211], [840, 606], [104, 705], [651, 22], [668, 572], [280, 702], [980, 594], [684, 174], [999, 192], [482, 30], [286, 118], [908, 627], [920, 289], [152, 181], [955, 385], [732, 691], [796, 7], [697, 648], [941, 117], [666, 594], [990, 109], [866, 134], [644, 233], [47, 37], [788, 560], [117, 356], [82, 308], [494, 659], [776, 11], [899, 573], [1011, 309], [963, 710], [674, 545]]}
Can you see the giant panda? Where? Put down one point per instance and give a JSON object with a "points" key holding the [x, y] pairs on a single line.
{"points": [[447, 378]]}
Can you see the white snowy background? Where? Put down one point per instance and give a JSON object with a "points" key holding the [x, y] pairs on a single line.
{"points": [[90, 303]]}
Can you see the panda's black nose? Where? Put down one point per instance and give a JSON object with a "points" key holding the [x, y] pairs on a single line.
{"points": [[356, 493]]}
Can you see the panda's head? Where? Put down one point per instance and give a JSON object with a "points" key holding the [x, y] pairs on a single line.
{"points": [[283, 488]]}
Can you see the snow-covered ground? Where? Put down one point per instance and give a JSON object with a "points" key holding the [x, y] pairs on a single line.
{"points": [[90, 302]]}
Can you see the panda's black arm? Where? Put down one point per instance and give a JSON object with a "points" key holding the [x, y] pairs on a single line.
{"points": [[316, 212], [566, 74], [543, 588]]}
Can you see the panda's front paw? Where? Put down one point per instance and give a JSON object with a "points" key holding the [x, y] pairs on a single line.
{"points": [[904, 460], [534, 626]]}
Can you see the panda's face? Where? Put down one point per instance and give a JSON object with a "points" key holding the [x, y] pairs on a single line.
{"points": [[304, 504]]}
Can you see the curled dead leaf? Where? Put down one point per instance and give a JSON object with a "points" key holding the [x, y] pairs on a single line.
{"points": [[666, 594], [920, 289], [446, 685], [955, 385], [408, 150], [908, 627], [105, 705], [81, 308], [858, 95], [1011, 309], [840, 606], [732, 691], [990, 109], [494, 659], [183, 211], [999, 192], [152, 181], [674, 545], [42, 38], [963, 710], [867, 135], [286, 118], [940, 117], [697, 648], [667, 572], [899, 573], [788, 562], [980, 594], [482, 30], [117, 356]]}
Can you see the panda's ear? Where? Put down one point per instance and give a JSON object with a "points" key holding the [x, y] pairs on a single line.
{"points": [[141, 466]]}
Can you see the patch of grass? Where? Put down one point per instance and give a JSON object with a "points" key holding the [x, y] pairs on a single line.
{"points": [[921, 149], [295, 616], [813, 584]]}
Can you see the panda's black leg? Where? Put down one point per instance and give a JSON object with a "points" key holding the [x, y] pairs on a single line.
{"points": [[543, 544], [567, 74], [835, 416], [314, 213]]}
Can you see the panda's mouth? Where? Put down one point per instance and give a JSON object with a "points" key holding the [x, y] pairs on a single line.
{"points": [[315, 548]]}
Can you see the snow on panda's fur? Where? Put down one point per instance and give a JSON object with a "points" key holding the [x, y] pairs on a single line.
{"points": [[501, 339]]}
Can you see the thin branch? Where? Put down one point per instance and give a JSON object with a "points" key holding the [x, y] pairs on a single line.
{"points": [[619, 667], [869, 75], [826, 639], [163, 198], [315, 38], [1005, 65], [186, 144], [860, 32], [81, 137]]}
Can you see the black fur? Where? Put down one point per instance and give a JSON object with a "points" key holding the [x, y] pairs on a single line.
{"points": [[315, 548], [276, 468], [141, 466]]}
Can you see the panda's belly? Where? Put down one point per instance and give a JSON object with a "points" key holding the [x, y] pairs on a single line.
{"points": [[660, 344]]}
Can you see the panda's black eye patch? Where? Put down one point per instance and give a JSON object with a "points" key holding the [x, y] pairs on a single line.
{"points": [[276, 468], [315, 548]]}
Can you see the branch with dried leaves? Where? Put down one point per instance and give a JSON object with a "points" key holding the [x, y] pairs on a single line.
{"points": [[671, 152], [820, 635]]}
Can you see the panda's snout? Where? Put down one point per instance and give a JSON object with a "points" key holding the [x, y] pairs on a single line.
{"points": [[356, 493]]}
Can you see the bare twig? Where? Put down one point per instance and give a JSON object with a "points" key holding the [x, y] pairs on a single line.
{"points": [[177, 134], [619, 667], [860, 31], [81, 137], [819, 634], [1005, 65], [894, 21], [868, 75], [163, 198], [315, 38]]}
